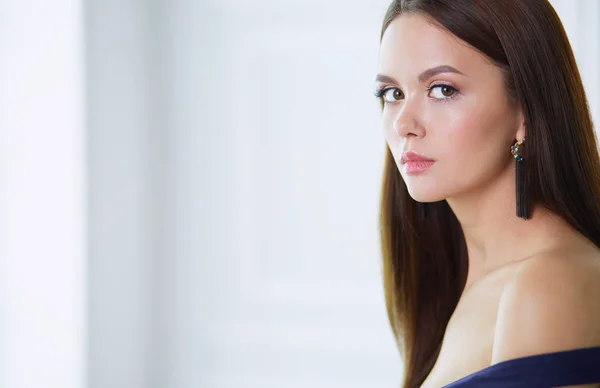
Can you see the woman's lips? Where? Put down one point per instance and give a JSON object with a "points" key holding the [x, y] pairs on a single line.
{"points": [[417, 166]]}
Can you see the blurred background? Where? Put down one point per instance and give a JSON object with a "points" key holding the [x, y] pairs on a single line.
{"points": [[189, 192]]}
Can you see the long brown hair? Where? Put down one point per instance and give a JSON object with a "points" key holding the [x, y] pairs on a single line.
{"points": [[425, 258]]}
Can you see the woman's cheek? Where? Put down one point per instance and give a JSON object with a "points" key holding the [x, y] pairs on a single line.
{"points": [[454, 133]]}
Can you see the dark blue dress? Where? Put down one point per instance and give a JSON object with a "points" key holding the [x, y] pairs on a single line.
{"points": [[568, 367]]}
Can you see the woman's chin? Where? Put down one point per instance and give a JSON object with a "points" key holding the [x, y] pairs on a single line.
{"points": [[422, 194]]}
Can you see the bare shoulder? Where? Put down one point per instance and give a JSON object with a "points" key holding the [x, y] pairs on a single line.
{"points": [[551, 304]]}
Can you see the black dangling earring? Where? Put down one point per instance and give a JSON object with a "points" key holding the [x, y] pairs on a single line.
{"points": [[522, 191]]}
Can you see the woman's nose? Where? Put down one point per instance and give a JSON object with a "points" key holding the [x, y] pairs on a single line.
{"points": [[407, 123]]}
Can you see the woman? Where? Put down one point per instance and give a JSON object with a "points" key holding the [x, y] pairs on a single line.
{"points": [[490, 207]]}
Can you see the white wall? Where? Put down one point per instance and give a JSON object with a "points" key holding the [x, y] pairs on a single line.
{"points": [[219, 196], [258, 140], [125, 175], [276, 185], [581, 19], [42, 195]]}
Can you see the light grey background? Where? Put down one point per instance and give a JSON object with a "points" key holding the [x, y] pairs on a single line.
{"points": [[189, 192]]}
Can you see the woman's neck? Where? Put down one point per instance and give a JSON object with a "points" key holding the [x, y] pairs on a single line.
{"points": [[496, 237]]}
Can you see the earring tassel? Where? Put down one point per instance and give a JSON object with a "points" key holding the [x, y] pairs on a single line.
{"points": [[522, 198]]}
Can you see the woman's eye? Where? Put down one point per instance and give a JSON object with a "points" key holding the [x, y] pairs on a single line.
{"points": [[445, 91], [394, 96]]}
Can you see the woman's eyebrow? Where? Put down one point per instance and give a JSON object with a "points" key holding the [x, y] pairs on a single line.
{"points": [[424, 75]]}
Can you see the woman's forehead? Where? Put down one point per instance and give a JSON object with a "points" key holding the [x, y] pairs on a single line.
{"points": [[412, 43]]}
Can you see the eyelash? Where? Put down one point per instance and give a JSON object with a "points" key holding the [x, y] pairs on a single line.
{"points": [[380, 92]]}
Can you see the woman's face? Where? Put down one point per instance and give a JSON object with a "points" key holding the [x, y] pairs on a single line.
{"points": [[460, 117]]}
